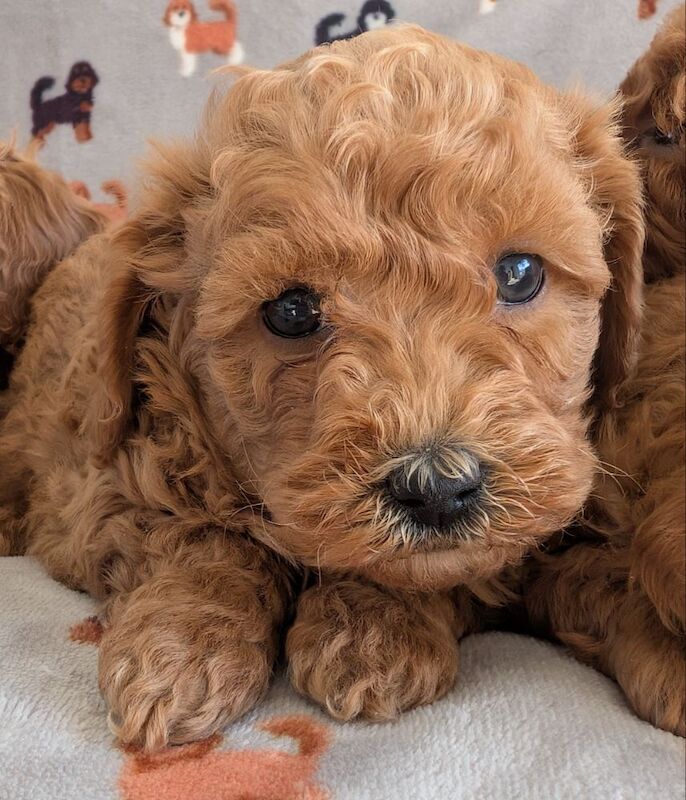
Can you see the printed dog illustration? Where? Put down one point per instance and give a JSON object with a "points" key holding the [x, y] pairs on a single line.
{"points": [[203, 772], [373, 14], [74, 106], [191, 37]]}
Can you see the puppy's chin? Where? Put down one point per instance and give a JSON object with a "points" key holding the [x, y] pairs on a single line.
{"points": [[438, 564], [464, 564]]}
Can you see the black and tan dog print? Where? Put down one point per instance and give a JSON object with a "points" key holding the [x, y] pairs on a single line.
{"points": [[373, 14], [74, 106]]}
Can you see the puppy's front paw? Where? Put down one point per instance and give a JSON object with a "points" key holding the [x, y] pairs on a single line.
{"points": [[359, 650], [172, 675]]}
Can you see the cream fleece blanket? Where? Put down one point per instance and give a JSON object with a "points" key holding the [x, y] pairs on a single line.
{"points": [[526, 721]]}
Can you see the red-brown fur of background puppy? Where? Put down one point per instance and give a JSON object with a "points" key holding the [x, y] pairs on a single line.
{"points": [[41, 222], [654, 93], [621, 603]]}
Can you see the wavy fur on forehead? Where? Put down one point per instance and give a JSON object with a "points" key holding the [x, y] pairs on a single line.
{"points": [[377, 110], [374, 108]]}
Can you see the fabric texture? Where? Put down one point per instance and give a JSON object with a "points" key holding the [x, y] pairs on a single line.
{"points": [[153, 74], [525, 721]]}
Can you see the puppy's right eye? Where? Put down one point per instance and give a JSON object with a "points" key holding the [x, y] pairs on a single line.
{"points": [[519, 277], [293, 314]]}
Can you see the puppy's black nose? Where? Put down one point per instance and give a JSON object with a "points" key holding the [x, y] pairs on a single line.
{"points": [[432, 499]]}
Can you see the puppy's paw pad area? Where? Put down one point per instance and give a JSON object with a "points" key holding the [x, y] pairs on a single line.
{"points": [[359, 651]]}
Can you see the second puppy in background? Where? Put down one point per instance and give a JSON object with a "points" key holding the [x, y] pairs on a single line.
{"points": [[620, 602], [41, 222]]}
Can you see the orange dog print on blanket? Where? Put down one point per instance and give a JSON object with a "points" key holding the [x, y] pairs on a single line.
{"points": [[202, 772], [191, 37], [88, 631]]}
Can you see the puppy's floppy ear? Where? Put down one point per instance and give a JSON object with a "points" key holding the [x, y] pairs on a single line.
{"points": [[148, 259], [655, 86], [615, 192], [126, 303]]}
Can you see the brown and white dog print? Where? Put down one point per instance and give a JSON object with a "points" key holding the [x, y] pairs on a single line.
{"points": [[191, 37]]}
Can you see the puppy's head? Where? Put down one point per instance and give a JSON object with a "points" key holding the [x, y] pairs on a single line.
{"points": [[179, 14], [82, 78], [41, 222], [375, 14], [413, 270], [654, 121]]}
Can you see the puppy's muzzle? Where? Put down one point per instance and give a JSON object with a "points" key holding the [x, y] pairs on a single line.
{"points": [[431, 499]]}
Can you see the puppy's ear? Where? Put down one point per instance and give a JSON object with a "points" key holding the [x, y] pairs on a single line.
{"points": [[655, 87], [148, 257], [615, 192], [636, 90], [125, 306]]}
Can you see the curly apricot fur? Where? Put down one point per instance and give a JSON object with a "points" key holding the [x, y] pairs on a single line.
{"points": [[171, 456]]}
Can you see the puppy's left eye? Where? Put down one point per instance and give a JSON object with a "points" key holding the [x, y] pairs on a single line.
{"points": [[519, 277], [293, 314]]}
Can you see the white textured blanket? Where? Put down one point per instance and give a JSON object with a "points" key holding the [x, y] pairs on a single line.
{"points": [[526, 721]]}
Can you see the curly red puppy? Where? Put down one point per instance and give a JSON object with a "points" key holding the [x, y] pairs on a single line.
{"points": [[358, 325], [621, 603]]}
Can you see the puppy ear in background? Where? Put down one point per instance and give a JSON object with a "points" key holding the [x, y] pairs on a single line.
{"points": [[654, 127], [615, 192], [148, 257], [41, 222], [654, 90]]}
